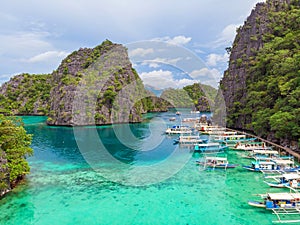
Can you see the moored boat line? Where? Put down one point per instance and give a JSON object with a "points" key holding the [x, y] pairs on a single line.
{"points": [[267, 159]]}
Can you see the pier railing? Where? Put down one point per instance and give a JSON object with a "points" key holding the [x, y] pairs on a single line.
{"points": [[279, 148]]}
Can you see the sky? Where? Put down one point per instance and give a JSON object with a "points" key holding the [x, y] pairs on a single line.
{"points": [[171, 43]]}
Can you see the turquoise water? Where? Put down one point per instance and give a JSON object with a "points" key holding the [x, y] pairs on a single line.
{"points": [[63, 188]]}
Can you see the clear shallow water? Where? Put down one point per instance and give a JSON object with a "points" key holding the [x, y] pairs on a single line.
{"points": [[63, 188]]}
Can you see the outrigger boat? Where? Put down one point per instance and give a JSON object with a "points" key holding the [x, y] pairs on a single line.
{"points": [[266, 155], [249, 146], [212, 130], [210, 147], [216, 162], [189, 140], [273, 165], [178, 129], [287, 180], [280, 204], [231, 140]]}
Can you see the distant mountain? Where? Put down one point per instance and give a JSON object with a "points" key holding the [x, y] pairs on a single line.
{"points": [[153, 90], [197, 96], [261, 86]]}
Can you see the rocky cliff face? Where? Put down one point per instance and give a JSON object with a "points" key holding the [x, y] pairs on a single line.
{"points": [[248, 40], [96, 86], [263, 59]]}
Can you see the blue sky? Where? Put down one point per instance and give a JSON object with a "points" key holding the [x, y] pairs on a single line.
{"points": [[36, 35]]}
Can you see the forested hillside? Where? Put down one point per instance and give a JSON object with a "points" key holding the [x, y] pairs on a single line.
{"points": [[262, 84]]}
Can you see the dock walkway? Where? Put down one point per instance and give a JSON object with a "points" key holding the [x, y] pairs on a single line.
{"points": [[276, 146]]}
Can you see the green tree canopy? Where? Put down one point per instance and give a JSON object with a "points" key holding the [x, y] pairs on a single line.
{"points": [[15, 142]]}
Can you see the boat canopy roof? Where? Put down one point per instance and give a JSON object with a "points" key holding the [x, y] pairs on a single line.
{"points": [[263, 163], [291, 176], [282, 161], [287, 176], [284, 196], [265, 151]]}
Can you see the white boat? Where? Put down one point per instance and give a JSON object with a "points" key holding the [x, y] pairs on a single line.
{"points": [[172, 118], [216, 162], [211, 129], [262, 154], [273, 165], [191, 119], [210, 147], [249, 146], [178, 129], [194, 111], [200, 125], [287, 180], [189, 140], [231, 140], [281, 204]]}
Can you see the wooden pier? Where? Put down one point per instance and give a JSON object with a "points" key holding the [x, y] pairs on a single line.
{"points": [[277, 147]]}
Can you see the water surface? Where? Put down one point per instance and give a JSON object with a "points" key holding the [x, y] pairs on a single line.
{"points": [[63, 188]]}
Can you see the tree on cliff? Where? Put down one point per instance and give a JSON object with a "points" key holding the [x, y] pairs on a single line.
{"points": [[14, 146]]}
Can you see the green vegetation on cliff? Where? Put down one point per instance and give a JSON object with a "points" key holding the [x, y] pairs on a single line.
{"points": [[198, 96], [14, 147], [26, 94], [271, 104]]}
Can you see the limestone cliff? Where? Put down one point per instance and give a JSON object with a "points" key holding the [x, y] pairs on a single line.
{"points": [[262, 79], [97, 86]]}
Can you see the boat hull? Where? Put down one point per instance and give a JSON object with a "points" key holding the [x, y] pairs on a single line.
{"points": [[257, 204]]}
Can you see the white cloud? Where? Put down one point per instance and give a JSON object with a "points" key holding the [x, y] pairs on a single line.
{"points": [[24, 43], [180, 40], [151, 64], [140, 52], [168, 61], [207, 76], [162, 79], [177, 40], [214, 59], [227, 35], [47, 56]]}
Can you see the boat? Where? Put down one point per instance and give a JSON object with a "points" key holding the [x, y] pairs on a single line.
{"points": [[216, 162], [178, 113], [262, 154], [251, 145], [172, 118], [190, 119], [210, 147], [189, 140], [194, 111], [178, 129], [199, 126], [231, 140], [286, 180], [272, 165], [281, 204], [211, 129]]}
